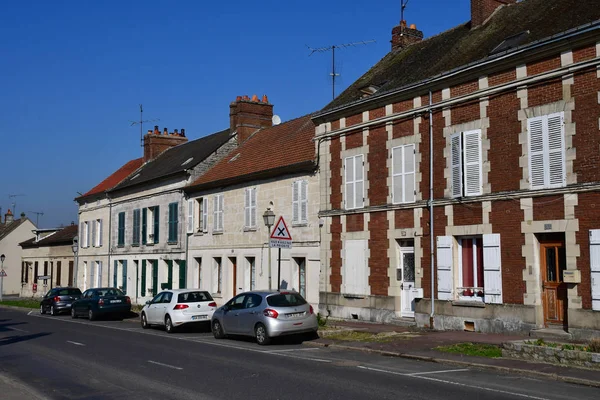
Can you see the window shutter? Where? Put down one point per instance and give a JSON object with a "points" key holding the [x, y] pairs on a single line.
{"points": [[409, 173], [143, 283], [205, 214], [472, 162], [125, 276], [595, 267], [81, 234], [94, 233], [247, 207], [295, 202], [456, 161], [253, 208], [99, 273], [154, 277], [303, 201], [556, 150], [115, 274], [356, 272], [445, 280], [492, 269], [403, 174], [156, 223], [221, 213], [349, 171], [190, 222], [397, 169], [216, 213], [170, 273], [144, 227], [92, 276], [100, 233], [359, 188], [537, 152], [182, 274]]}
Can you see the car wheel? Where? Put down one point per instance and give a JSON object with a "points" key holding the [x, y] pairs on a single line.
{"points": [[262, 337], [217, 330], [53, 311], [42, 309], [91, 315], [144, 321], [169, 325], [73, 313]]}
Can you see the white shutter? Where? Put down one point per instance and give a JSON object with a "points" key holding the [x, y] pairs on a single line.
{"points": [[445, 280], [222, 211], [356, 275], [87, 234], [204, 214], [595, 267], [397, 172], [556, 151], [359, 196], [99, 284], [349, 171], [409, 173], [216, 213], [81, 234], [247, 207], [296, 202], [472, 162], [94, 233], [456, 164], [492, 269], [403, 174], [100, 233], [303, 201], [535, 127], [92, 274], [253, 208], [190, 219]]}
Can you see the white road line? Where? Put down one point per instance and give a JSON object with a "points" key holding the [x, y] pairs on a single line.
{"points": [[17, 329], [75, 343], [437, 372], [164, 365], [29, 313], [455, 383], [286, 350]]}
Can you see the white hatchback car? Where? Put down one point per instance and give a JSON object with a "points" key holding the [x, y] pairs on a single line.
{"points": [[173, 308]]}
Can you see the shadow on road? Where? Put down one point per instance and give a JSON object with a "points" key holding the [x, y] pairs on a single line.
{"points": [[21, 338], [6, 327]]}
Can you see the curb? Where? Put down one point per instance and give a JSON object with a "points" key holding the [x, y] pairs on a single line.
{"points": [[17, 308], [556, 377]]}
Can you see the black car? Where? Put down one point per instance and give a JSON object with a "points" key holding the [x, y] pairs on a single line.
{"points": [[59, 299], [101, 301]]}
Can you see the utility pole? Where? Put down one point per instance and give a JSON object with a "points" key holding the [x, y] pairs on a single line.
{"points": [[141, 123]]}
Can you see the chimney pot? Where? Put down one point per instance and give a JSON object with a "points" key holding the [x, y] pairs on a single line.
{"points": [[413, 26], [265, 99], [149, 131], [254, 98], [175, 131], [165, 131], [403, 36], [182, 132], [238, 98], [246, 97], [156, 132]]}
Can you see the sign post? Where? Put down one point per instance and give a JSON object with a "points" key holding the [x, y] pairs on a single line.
{"points": [[2, 275], [280, 238]]}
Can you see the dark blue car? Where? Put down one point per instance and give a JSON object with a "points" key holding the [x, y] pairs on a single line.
{"points": [[101, 302]]}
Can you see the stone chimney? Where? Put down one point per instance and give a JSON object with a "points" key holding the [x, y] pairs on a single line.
{"points": [[247, 115], [481, 10], [8, 217], [156, 142], [403, 36]]}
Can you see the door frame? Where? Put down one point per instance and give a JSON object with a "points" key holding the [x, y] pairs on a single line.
{"points": [[405, 293], [560, 286]]}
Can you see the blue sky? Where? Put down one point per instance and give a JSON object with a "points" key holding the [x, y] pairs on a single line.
{"points": [[73, 73]]}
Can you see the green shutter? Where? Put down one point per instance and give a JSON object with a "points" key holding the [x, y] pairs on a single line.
{"points": [[156, 223], [170, 273], [155, 277], [121, 235], [144, 227], [182, 274], [143, 292], [173, 222], [125, 276], [115, 273], [136, 227]]}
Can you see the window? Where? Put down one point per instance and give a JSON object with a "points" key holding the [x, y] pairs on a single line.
{"points": [[403, 174], [466, 164], [173, 222], [353, 167], [58, 272], [250, 208], [470, 258], [136, 227], [121, 230], [150, 225], [203, 214], [156, 226], [546, 136], [98, 233], [218, 213], [217, 275], [300, 202], [85, 234], [98, 273]]}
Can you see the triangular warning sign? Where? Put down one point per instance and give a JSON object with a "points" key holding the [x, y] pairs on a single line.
{"points": [[281, 231]]}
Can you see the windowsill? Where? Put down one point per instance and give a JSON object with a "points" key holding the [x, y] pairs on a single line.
{"points": [[250, 229], [468, 303], [173, 243], [135, 245], [353, 296], [299, 224], [148, 244], [217, 232], [199, 233], [119, 245]]}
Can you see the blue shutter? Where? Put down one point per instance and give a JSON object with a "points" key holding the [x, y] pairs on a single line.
{"points": [[144, 225], [182, 274], [156, 223], [125, 276], [143, 286], [115, 273], [155, 277], [170, 274]]}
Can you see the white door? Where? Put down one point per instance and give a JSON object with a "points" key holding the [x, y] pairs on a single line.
{"points": [[406, 274]]}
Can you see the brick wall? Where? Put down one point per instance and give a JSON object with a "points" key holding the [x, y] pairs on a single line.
{"points": [[465, 113], [335, 262], [548, 208], [403, 128], [502, 77], [543, 94], [354, 140], [588, 214], [335, 166], [402, 106], [378, 171], [545, 65], [378, 260], [355, 223], [439, 162], [587, 140], [404, 219], [464, 88], [584, 53], [354, 119], [377, 113], [467, 214]]}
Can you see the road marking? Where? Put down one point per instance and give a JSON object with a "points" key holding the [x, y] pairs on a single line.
{"points": [[285, 350], [164, 365], [17, 329], [75, 343], [454, 383], [29, 313], [437, 372]]}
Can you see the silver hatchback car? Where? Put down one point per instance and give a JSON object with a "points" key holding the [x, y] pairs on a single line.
{"points": [[264, 315]]}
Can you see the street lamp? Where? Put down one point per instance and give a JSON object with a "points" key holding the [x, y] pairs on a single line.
{"points": [[269, 219], [2, 257], [75, 248]]}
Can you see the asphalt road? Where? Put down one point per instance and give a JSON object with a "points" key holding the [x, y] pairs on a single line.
{"points": [[61, 358]]}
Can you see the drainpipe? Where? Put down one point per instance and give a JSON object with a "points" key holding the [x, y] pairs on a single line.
{"points": [[431, 263], [109, 234]]}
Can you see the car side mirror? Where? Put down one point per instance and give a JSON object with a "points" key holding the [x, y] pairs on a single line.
{"points": [[148, 302], [226, 308]]}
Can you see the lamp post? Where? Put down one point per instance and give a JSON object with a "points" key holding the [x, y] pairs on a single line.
{"points": [[75, 248], [2, 257], [269, 219]]}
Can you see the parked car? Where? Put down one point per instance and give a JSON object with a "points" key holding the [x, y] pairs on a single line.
{"points": [[264, 315], [101, 301], [174, 308], [59, 299]]}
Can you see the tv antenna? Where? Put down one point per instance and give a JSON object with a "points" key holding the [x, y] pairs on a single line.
{"points": [[14, 202], [141, 123], [403, 4], [37, 216], [332, 48]]}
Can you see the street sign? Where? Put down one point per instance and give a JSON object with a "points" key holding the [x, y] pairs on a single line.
{"points": [[44, 277], [3, 273], [280, 236]]}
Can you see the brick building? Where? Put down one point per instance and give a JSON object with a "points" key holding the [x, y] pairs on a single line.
{"points": [[465, 167]]}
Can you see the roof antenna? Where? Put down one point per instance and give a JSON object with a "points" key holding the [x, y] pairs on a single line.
{"points": [[332, 48], [403, 4], [141, 122]]}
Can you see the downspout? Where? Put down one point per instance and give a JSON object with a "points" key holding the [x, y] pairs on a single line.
{"points": [[431, 262], [109, 234]]}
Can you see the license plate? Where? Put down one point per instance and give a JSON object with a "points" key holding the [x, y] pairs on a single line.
{"points": [[195, 317], [115, 301], [299, 314]]}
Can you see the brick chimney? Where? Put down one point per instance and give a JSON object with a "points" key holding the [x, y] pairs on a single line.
{"points": [[8, 217], [247, 115], [156, 142], [481, 10], [403, 36]]}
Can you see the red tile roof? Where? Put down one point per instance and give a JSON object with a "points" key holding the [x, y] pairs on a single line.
{"points": [[278, 148], [116, 177]]}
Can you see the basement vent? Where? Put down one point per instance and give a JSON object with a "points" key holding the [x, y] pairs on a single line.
{"points": [[469, 326]]}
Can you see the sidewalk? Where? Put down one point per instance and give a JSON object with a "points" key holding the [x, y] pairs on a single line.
{"points": [[13, 389], [420, 344]]}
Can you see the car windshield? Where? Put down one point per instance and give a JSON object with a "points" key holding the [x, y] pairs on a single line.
{"points": [[110, 292], [285, 300], [193, 297], [69, 292]]}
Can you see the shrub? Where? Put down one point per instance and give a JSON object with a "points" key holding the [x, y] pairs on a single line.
{"points": [[594, 345], [320, 320]]}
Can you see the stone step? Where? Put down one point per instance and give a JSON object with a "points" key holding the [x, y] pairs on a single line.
{"points": [[403, 321], [550, 334]]}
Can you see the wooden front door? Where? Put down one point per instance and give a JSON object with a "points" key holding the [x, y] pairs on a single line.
{"points": [[554, 290]]}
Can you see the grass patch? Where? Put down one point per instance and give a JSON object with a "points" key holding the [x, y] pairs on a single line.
{"points": [[358, 336], [593, 345], [26, 303], [472, 349]]}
